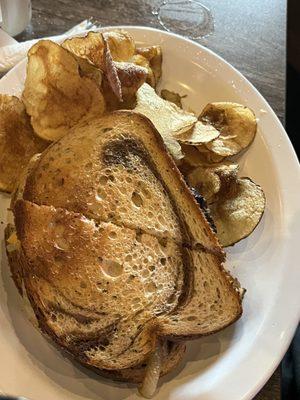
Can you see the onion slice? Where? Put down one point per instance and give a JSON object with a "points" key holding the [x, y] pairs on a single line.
{"points": [[152, 374]]}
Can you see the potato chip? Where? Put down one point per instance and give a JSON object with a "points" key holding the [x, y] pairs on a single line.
{"points": [[143, 62], [205, 181], [111, 72], [55, 95], [199, 134], [209, 156], [88, 51], [168, 119], [156, 62], [224, 147], [172, 97], [192, 155], [89, 71], [121, 44], [153, 55], [236, 123], [18, 142], [237, 214], [89, 47], [131, 77], [213, 181], [228, 174]]}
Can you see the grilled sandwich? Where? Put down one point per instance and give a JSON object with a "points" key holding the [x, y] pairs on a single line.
{"points": [[113, 251]]}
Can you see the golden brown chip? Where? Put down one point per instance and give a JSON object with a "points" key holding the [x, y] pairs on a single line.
{"points": [[192, 155], [205, 181], [199, 134], [55, 95], [111, 72], [121, 44], [168, 119], [156, 63], [153, 54], [224, 146], [173, 97], [208, 156], [89, 47], [143, 62], [199, 155], [228, 174], [131, 77], [237, 214], [214, 181], [18, 142], [89, 71], [236, 123]]}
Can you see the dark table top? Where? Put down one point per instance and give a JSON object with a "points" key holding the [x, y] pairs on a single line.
{"points": [[250, 34]]}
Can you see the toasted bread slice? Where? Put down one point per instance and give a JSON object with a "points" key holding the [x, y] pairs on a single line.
{"points": [[172, 352], [105, 293], [116, 169], [213, 303], [95, 286]]}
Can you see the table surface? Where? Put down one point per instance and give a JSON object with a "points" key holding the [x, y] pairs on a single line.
{"points": [[249, 34]]}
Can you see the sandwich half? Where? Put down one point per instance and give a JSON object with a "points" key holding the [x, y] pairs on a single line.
{"points": [[113, 251]]}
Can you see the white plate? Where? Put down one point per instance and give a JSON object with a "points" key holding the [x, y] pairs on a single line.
{"points": [[235, 363]]}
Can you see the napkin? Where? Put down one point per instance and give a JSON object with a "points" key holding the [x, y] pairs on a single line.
{"points": [[12, 54]]}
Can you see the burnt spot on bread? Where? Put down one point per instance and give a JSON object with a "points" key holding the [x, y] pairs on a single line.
{"points": [[120, 151]]}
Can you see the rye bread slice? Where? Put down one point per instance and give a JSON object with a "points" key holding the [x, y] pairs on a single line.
{"points": [[116, 169], [97, 288], [172, 352]]}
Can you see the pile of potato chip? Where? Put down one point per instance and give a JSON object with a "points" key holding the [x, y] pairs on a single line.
{"points": [[88, 76]]}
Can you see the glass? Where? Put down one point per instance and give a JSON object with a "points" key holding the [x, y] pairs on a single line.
{"points": [[188, 18]]}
